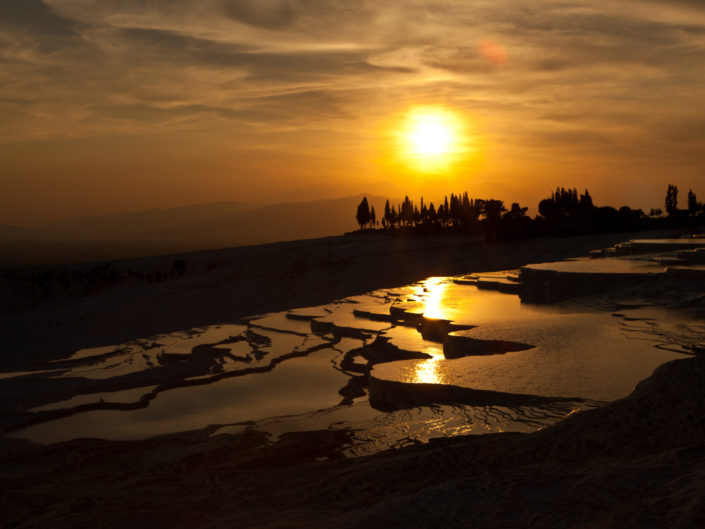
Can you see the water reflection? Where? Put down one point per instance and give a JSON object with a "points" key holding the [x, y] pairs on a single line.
{"points": [[434, 289], [580, 352], [428, 372]]}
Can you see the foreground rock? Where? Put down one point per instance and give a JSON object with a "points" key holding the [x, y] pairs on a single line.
{"points": [[638, 462]]}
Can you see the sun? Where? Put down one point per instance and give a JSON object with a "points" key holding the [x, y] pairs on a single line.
{"points": [[430, 135], [430, 138]]}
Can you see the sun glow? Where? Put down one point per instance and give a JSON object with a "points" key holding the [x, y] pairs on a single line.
{"points": [[431, 138]]}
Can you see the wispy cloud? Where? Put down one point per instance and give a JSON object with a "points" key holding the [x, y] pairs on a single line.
{"points": [[568, 76]]}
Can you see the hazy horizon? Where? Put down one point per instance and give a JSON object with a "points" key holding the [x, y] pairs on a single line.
{"points": [[248, 206], [174, 230], [126, 106]]}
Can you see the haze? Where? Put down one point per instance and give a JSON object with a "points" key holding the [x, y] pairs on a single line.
{"points": [[125, 105]]}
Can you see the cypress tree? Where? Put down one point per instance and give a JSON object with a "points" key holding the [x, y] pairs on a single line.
{"points": [[363, 213]]}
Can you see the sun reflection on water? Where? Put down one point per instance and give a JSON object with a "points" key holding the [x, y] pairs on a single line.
{"points": [[432, 290], [435, 287], [428, 372]]}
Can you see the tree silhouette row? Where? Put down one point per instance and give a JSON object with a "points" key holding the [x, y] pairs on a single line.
{"points": [[564, 212]]}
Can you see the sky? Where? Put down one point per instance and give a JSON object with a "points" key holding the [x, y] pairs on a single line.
{"points": [[119, 105]]}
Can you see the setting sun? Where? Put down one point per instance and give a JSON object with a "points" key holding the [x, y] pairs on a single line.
{"points": [[431, 138]]}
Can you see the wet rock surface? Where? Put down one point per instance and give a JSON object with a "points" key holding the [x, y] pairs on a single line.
{"points": [[463, 345], [459, 344], [254, 423]]}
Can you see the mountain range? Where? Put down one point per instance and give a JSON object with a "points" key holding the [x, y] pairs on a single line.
{"points": [[186, 228]]}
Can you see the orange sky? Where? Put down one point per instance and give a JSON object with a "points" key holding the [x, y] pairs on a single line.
{"points": [[124, 105]]}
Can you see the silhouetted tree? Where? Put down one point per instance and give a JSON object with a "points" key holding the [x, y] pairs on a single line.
{"points": [[515, 223], [607, 219], [586, 200], [363, 213], [516, 211], [454, 210], [479, 205], [417, 216], [565, 212], [561, 203], [568, 212], [470, 210], [628, 217], [494, 209], [671, 199], [441, 215], [423, 212], [407, 212], [546, 208], [432, 213], [693, 205]]}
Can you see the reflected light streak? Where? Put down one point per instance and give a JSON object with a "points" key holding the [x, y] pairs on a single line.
{"points": [[434, 298], [428, 372]]}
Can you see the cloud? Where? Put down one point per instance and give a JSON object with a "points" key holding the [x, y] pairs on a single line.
{"points": [[564, 75], [268, 14], [294, 65], [684, 130], [35, 16]]}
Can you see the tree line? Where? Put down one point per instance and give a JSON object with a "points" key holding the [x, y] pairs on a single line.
{"points": [[564, 212]]}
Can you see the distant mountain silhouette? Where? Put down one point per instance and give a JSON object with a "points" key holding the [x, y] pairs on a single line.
{"points": [[272, 223], [167, 231], [141, 224]]}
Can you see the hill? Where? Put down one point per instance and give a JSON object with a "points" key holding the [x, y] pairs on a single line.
{"points": [[273, 223], [182, 229], [140, 224]]}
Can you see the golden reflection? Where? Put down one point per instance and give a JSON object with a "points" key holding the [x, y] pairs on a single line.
{"points": [[428, 372], [435, 288]]}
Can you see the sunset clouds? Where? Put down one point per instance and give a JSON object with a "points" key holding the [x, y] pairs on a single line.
{"points": [[199, 96]]}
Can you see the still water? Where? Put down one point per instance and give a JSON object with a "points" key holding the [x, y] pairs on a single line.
{"points": [[310, 369]]}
